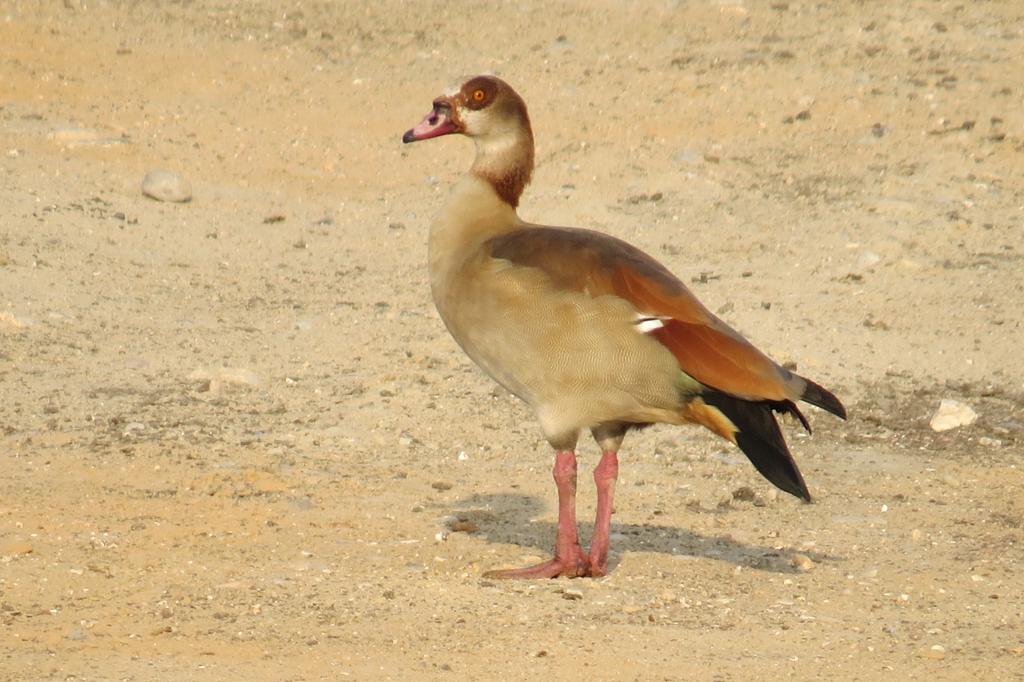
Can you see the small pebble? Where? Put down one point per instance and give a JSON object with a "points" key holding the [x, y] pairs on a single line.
{"points": [[867, 260], [10, 320], [802, 563], [13, 548], [952, 414], [462, 526], [441, 485], [216, 380], [935, 653], [72, 135], [744, 494], [572, 593], [164, 185]]}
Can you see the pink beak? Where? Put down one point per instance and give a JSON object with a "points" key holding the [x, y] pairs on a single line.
{"points": [[433, 124]]}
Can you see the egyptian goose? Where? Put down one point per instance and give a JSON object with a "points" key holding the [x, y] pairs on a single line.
{"points": [[590, 331]]}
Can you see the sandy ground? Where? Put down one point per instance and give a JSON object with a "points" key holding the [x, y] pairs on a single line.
{"points": [[234, 434]]}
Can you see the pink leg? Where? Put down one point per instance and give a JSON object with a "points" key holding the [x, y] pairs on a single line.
{"points": [[569, 559], [605, 474]]}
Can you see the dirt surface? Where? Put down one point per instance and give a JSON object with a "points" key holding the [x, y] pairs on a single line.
{"points": [[236, 442]]}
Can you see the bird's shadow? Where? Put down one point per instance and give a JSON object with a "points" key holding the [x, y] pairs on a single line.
{"points": [[511, 519]]}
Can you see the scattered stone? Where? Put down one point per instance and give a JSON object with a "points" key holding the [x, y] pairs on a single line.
{"points": [[14, 548], [952, 414], [687, 156], [463, 526], [804, 115], [132, 428], [645, 198], [441, 485], [744, 494], [802, 563], [165, 185], [572, 594], [705, 277], [76, 635], [11, 321], [71, 135], [867, 259], [301, 503], [218, 379], [934, 653]]}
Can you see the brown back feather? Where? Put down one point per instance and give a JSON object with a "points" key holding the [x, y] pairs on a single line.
{"points": [[706, 348]]}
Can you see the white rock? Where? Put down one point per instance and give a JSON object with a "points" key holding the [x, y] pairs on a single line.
{"points": [[952, 414], [73, 134], [238, 375], [165, 185], [12, 321], [867, 260], [224, 377]]}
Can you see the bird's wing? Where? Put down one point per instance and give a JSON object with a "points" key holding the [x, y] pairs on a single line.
{"points": [[706, 348]]}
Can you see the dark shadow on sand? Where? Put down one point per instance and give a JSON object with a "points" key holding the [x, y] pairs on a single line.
{"points": [[511, 519]]}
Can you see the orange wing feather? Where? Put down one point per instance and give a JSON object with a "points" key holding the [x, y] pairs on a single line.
{"points": [[706, 348]]}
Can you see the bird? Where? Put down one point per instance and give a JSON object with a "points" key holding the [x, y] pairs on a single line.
{"points": [[589, 331]]}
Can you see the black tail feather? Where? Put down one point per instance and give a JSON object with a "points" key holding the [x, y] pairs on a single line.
{"points": [[760, 439], [823, 398]]}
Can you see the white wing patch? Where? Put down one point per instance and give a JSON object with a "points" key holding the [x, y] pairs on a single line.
{"points": [[646, 324]]}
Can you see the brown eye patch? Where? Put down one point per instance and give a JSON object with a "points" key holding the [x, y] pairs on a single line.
{"points": [[478, 93]]}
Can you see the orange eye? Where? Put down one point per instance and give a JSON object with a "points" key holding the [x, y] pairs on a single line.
{"points": [[478, 95]]}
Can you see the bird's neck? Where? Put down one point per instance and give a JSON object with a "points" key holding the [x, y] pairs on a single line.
{"points": [[505, 161]]}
